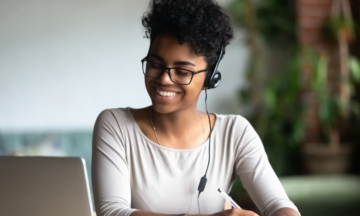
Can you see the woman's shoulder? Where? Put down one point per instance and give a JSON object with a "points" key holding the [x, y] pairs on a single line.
{"points": [[232, 120], [115, 112], [115, 116], [235, 126], [238, 131]]}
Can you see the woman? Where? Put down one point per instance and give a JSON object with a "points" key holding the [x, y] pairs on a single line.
{"points": [[149, 161]]}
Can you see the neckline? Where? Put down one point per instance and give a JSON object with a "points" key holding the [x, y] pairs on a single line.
{"points": [[167, 148]]}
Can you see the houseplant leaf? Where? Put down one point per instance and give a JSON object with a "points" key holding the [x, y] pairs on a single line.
{"points": [[354, 66]]}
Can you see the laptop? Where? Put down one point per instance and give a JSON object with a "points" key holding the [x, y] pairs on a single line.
{"points": [[44, 186]]}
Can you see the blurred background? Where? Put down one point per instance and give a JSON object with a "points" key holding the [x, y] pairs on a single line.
{"points": [[292, 70]]}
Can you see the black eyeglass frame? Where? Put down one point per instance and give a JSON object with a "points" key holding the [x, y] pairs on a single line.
{"points": [[168, 71]]}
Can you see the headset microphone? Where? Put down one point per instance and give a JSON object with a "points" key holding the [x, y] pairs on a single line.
{"points": [[212, 80]]}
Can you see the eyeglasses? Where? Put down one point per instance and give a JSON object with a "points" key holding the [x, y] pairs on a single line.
{"points": [[177, 75]]}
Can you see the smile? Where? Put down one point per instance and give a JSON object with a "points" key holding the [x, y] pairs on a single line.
{"points": [[166, 94]]}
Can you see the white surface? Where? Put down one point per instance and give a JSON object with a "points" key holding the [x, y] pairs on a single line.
{"points": [[62, 62]]}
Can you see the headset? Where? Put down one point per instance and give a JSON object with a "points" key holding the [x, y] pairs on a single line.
{"points": [[212, 80]]}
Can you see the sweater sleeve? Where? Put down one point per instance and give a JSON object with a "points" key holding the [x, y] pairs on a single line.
{"points": [[256, 173], [110, 171]]}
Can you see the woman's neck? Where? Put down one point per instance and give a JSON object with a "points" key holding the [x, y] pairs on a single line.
{"points": [[177, 124], [183, 129]]}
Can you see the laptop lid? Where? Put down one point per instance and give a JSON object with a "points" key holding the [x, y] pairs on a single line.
{"points": [[44, 186]]}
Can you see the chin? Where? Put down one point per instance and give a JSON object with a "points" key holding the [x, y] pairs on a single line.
{"points": [[164, 104], [163, 108]]}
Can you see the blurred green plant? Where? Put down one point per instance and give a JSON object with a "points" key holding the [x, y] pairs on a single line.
{"points": [[334, 109], [340, 25], [274, 20], [275, 104], [279, 121]]}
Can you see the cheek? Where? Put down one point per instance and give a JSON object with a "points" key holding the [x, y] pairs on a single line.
{"points": [[147, 82], [196, 85], [198, 80]]}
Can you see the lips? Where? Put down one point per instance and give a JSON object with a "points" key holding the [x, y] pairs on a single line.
{"points": [[166, 93]]}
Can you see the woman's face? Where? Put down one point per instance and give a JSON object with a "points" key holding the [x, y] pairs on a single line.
{"points": [[167, 51]]}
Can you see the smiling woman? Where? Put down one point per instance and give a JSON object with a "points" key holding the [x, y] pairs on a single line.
{"points": [[180, 80], [149, 161]]}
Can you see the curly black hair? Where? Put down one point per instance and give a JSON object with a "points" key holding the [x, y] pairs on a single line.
{"points": [[201, 23]]}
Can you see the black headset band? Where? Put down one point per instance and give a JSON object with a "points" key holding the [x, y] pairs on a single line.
{"points": [[217, 62]]}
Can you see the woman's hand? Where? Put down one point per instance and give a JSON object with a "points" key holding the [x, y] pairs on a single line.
{"points": [[235, 212]]}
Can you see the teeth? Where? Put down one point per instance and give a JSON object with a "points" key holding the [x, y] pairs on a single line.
{"points": [[166, 93]]}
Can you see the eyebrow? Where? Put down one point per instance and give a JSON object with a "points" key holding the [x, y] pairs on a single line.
{"points": [[176, 63]]}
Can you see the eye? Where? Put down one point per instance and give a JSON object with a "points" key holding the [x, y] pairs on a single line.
{"points": [[154, 65], [182, 72]]}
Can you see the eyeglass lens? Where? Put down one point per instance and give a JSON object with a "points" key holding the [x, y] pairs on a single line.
{"points": [[177, 75]]}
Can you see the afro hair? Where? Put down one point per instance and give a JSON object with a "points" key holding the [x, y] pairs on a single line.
{"points": [[201, 23]]}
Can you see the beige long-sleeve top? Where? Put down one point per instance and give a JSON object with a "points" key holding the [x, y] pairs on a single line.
{"points": [[130, 172]]}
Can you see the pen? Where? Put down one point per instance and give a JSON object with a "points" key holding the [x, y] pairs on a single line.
{"points": [[227, 198]]}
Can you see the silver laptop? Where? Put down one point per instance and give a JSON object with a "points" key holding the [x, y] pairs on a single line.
{"points": [[44, 186]]}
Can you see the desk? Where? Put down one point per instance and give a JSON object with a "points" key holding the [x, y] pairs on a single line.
{"points": [[330, 195]]}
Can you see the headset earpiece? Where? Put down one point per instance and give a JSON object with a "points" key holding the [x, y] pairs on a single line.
{"points": [[215, 80], [212, 80]]}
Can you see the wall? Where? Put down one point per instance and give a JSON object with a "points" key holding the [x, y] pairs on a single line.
{"points": [[62, 62]]}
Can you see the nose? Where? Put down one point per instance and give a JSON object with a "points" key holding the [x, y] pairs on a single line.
{"points": [[165, 77]]}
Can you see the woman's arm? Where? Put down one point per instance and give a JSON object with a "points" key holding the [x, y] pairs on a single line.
{"points": [[110, 173], [286, 212], [256, 173]]}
